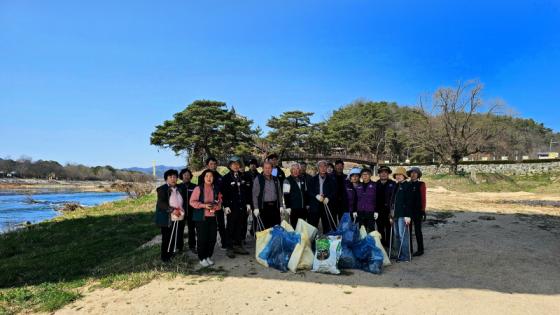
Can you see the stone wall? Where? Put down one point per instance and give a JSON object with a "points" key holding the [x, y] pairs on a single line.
{"points": [[504, 169]]}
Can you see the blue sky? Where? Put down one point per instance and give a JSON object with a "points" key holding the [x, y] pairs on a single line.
{"points": [[88, 82]]}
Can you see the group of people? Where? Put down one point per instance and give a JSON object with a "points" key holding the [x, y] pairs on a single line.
{"points": [[222, 204]]}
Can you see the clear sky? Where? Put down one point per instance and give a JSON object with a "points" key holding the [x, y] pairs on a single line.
{"points": [[88, 82]]}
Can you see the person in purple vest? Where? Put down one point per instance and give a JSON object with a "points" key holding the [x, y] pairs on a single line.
{"points": [[351, 183], [365, 201]]}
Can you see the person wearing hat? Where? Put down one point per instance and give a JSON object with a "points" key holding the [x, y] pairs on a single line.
{"points": [[384, 187], [351, 183], [400, 214], [250, 176], [418, 206], [366, 196], [237, 205], [276, 170]]}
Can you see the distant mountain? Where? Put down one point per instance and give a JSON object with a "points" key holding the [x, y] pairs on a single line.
{"points": [[160, 169]]}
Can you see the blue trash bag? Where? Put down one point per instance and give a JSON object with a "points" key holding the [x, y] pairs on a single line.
{"points": [[348, 230], [280, 247], [368, 256], [347, 259]]}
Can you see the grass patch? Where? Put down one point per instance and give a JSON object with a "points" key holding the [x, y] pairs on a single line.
{"points": [[46, 266], [490, 182]]}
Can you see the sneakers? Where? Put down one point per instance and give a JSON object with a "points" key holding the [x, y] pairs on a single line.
{"points": [[240, 250], [418, 253], [230, 253], [204, 263], [210, 261]]}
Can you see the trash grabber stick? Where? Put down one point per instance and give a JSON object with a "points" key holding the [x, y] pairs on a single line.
{"points": [[329, 214], [391, 241], [176, 235], [171, 237]]}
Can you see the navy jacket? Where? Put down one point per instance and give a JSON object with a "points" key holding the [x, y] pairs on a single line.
{"points": [[329, 191]]}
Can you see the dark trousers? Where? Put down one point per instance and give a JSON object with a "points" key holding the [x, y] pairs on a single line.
{"points": [[417, 223], [221, 227], [384, 228], [367, 219], [270, 214], [191, 226], [296, 214], [206, 237], [165, 238], [320, 213], [180, 235], [236, 226]]}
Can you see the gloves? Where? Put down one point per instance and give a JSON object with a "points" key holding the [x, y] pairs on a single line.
{"points": [[407, 220], [227, 210], [424, 216], [355, 215], [282, 210], [320, 198], [248, 209], [256, 212], [325, 201], [375, 215], [288, 211]]}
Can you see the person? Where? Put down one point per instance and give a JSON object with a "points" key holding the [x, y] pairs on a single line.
{"points": [[340, 202], [267, 195], [365, 201], [385, 187], [330, 168], [351, 183], [250, 176], [418, 206], [320, 192], [237, 204], [212, 165], [206, 200], [295, 195], [400, 214], [186, 191], [276, 170], [169, 207], [303, 173]]}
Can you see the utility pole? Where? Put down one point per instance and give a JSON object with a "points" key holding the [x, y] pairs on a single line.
{"points": [[550, 145]]}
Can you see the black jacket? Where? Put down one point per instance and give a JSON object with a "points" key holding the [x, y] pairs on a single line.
{"points": [[186, 193], [235, 191], [329, 190], [297, 197], [163, 210]]}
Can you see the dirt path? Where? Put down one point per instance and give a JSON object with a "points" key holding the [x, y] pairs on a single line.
{"points": [[481, 258]]}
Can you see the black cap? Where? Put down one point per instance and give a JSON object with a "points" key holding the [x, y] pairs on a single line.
{"points": [[384, 168]]}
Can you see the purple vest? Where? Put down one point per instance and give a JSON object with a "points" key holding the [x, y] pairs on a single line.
{"points": [[366, 195]]}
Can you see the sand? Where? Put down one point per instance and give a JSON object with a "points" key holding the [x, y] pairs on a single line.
{"points": [[483, 257]]}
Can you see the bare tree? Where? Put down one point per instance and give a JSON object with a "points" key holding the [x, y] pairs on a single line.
{"points": [[458, 123]]}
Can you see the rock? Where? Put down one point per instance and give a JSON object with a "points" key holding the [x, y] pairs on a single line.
{"points": [[487, 217]]}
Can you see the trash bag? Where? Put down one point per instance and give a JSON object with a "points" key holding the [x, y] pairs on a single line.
{"points": [[280, 247], [328, 250], [263, 237], [363, 232], [369, 257], [311, 231], [377, 237], [348, 230], [347, 259], [302, 256], [287, 226]]}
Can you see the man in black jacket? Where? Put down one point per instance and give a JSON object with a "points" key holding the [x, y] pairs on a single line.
{"points": [[385, 188], [237, 204], [276, 169], [212, 164], [340, 201], [321, 192], [186, 191]]}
